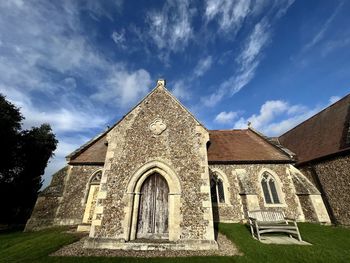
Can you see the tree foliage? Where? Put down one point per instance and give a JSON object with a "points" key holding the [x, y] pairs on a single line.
{"points": [[24, 155]]}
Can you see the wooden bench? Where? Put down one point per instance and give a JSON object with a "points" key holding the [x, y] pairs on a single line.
{"points": [[262, 222]]}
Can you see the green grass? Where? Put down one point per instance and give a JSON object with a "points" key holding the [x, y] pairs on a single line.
{"points": [[330, 244]]}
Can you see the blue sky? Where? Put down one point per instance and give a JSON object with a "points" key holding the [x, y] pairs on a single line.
{"points": [[81, 65]]}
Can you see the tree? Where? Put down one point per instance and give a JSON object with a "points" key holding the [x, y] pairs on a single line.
{"points": [[23, 158]]}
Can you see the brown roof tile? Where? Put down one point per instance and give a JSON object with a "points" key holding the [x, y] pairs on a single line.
{"points": [[242, 145], [93, 153], [321, 135]]}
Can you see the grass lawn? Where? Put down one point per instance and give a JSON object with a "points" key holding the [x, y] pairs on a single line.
{"points": [[330, 244]]}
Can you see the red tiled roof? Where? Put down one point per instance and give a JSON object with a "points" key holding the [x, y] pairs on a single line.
{"points": [[93, 152], [321, 135], [242, 146]]}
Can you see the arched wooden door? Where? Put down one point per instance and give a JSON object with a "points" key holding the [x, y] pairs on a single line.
{"points": [[152, 222]]}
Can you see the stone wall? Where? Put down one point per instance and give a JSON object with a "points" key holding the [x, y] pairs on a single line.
{"points": [[63, 201], [72, 205], [333, 178], [246, 193], [158, 131], [232, 209], [45, 208]]}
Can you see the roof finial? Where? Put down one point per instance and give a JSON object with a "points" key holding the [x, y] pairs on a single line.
{"points": [[161, 82], [249, 124]]}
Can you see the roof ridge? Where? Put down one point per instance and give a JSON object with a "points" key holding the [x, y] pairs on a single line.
{"points": [[88, 143], [275, 144]]}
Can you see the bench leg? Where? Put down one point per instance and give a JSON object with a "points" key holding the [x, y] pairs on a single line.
{"points": [[251, 228], [299, 236], [257, 231]]}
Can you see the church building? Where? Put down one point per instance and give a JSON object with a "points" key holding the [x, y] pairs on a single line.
{"points": [[160, 176]]}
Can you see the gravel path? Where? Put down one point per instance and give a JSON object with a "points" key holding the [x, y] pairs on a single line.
{"points": [[226, 248]]}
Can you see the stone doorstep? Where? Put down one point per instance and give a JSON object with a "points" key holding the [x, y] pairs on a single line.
{"points": [[105, 243], [282, 240]]}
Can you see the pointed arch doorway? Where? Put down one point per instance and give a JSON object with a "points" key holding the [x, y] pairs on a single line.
{"points": [[153, 215]]}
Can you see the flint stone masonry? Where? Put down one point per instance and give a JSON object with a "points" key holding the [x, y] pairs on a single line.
{"points": [[180, 144], [246, 193], [44, 213], [71, 208], [333, 177]]}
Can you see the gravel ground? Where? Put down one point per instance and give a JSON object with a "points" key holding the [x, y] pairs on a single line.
{"points": [[226, 248]]}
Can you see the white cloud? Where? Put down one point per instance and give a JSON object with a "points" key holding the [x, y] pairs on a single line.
{"points": [[124, 88], [230, 15], [170, 28], [247, 63], [180, 91], [254, 45], [334, 99], [119, 38], [320, 34], [276, 117], [29, 57], [68, 118], [203, 66], [226, 117]]}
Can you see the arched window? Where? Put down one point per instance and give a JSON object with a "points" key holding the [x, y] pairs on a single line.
{"points": [[268, 185], [217, 190], [96, 178]]}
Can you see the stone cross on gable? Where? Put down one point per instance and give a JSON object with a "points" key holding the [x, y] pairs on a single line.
{"points": [[161, 82]]}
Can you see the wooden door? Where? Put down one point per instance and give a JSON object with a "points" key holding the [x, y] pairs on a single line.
{"points": [[152, 220]]}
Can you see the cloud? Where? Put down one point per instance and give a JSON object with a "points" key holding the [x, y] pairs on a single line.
{"points": [[229, 14], [203, 66], [119, 38], [226, 117], [320, 34], [334, 99], [67, 118], [124, 88], [254, 44], [32, 57], [180, 91], [277, 116], [170, 29], [247, 63]]}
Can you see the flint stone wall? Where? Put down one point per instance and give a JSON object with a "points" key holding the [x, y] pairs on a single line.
{"points": [[246, 193], [181, 146], [334, 177], [45, 208], [76, 185]]}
